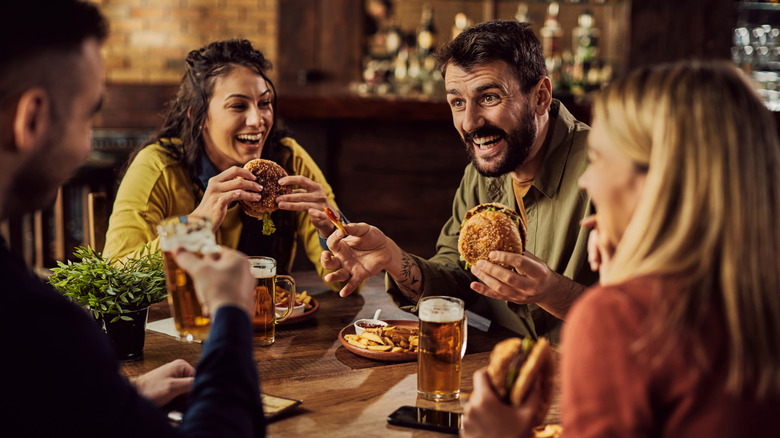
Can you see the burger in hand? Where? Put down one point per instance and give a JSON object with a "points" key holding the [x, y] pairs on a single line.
{"points": [[268, 174], [515, 367], [490, 227]]}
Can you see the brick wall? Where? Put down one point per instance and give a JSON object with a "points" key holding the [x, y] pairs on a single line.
{"points": [[150, 38]]}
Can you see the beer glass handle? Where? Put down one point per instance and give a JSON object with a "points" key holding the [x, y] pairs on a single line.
{"points": [[291, 304], [465, 335]]}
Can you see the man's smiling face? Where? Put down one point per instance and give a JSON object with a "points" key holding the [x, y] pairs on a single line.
{"points": [[494, 118]]}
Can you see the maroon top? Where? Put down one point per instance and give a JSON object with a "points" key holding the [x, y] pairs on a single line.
{"points": [[611, 390]]}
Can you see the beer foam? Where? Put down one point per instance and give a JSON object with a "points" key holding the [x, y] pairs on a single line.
{"points": [[440, 310], [263, 271], [262, 267], [199, 240]]}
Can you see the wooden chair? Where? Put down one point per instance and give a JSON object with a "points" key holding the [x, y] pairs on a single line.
{"points": [[38, 237], [96, 220]]}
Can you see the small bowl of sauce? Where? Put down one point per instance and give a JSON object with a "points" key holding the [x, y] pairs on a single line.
{"points": [[362, 324]]}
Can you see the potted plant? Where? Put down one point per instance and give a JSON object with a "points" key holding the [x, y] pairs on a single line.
{"points": [[117, 292]]}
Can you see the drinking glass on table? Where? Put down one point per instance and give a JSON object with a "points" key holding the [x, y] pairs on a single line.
{"points": [[265, 318], [442, 346], [193, 234]]}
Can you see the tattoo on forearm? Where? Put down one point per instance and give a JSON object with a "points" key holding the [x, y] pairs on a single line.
{"points": [[409, 281]]}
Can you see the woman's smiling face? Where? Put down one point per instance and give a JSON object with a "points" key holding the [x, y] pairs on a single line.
{"points": [[613, 182], [240, 116]]}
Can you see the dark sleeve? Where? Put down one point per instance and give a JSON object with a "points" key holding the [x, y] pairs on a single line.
{"points": [[225, 398], [60, 374]]}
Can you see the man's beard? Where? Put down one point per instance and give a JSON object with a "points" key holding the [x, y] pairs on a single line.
{"points": [[31, 190], [518, 146]]}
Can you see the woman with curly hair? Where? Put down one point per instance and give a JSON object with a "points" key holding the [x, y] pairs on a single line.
{"points": [[223, 116]]}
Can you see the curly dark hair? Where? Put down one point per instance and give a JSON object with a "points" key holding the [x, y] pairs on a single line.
{"points": [[187, 112], [498, 40]]}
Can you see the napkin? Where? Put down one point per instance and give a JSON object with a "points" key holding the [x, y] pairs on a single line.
{"points": [[165, 326]]}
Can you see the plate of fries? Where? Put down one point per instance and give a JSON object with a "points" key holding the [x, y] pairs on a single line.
{"points": [[397, 342], [310, 305]]}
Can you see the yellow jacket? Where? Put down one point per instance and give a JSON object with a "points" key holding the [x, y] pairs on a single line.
{"points": [[157, 186]]}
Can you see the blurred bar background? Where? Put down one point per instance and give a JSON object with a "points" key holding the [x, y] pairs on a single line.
{"points": [[358, 89]]}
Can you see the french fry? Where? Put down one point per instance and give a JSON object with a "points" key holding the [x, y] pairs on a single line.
{"points": [[372, 337], [389, 338], [353, 339], [282, 297], [336, 221]]}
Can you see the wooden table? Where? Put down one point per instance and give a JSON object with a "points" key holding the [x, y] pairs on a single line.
{"points": [[343, 394]]}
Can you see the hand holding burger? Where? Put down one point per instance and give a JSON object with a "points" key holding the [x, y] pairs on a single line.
{"points": [[490, 227], [268, 174], [507, 400], [515, 367]]}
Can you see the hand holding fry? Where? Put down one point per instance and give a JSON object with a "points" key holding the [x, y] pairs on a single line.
{"points": [[336, 220], [355, 258]]}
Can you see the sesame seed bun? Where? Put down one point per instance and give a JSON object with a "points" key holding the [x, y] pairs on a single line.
{"points": [[490, 227], [268, 174]]}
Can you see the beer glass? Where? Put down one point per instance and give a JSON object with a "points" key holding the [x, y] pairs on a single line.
{"points": [[265, 319], [442, 346], [193, 234]]}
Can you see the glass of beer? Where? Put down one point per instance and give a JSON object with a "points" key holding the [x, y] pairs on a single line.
{"points": [[265, 319], [442, 346], [193, 234]]}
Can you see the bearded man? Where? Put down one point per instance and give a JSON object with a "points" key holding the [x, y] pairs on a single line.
{"points": [[527, 151]]}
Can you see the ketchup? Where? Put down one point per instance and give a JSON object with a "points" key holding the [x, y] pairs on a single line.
{"points": [[366, 325]]}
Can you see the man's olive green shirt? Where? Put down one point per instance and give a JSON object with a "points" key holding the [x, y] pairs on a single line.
{"points": [[554, 206]]}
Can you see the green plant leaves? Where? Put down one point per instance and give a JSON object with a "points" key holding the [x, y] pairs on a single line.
{"points": [[108, 286]]}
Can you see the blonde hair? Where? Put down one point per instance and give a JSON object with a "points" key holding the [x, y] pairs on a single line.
{"points": [[710, 210]]}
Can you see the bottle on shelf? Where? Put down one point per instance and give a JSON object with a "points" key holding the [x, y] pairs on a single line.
{"points": [[426, 33], [522, 13], [462, 23], [393, 39], [586, 71], [552, 39], [423, 67], [586, 37]]}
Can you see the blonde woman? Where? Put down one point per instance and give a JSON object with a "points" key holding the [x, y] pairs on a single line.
{"points": [[682, 336]]}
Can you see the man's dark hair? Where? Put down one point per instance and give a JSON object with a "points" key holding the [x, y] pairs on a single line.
{"points": [[497, 40], [38, 39]]}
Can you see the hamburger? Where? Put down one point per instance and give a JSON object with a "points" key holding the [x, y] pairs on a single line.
{"points": [[490, 227], [515, 367], [268, 174]]}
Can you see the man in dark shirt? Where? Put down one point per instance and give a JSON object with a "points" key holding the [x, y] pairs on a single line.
{"points": [[60, 375]]}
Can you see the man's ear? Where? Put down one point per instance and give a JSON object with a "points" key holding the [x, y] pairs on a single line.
{"points": [[32, 119], [543, 95]]}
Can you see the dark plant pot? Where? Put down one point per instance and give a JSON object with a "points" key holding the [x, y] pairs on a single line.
{"points": [[127, 337]]}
